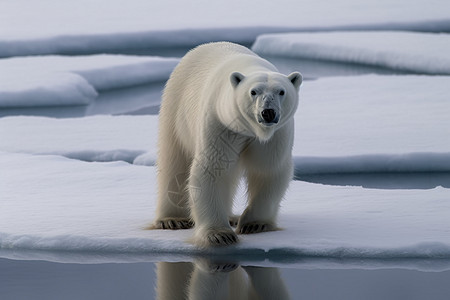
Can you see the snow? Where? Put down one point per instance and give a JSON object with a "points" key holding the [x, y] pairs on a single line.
{"points": [[343, 125], [407, 51], [59, 80], [85, 26], [54, 203], [98, 138], [373, 124], [34, 89]]}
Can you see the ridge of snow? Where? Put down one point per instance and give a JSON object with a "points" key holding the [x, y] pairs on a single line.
{"points": [[59, 80], [88, 26], [408, 51]]}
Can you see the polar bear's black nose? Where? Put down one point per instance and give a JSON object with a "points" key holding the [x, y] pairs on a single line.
{"points": [[268, 115]]}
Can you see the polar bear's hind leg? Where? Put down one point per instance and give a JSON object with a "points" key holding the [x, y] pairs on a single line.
{"points": [[173, 211]]}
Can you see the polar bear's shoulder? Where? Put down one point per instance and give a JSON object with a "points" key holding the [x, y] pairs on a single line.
{"points": [[223, 48], [216, 52]]}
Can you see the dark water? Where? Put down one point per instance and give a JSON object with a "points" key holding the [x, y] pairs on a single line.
{"points": [[400, 180], [205, 280]]}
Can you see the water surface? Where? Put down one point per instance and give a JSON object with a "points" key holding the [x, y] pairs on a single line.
{"points": [[212, 280]]}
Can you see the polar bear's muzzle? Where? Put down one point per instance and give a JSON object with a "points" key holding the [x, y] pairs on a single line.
{"points": [[268, 113], [268, 116]]}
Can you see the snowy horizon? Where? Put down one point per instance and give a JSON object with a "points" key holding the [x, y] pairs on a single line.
{"points": [[144, 25]]}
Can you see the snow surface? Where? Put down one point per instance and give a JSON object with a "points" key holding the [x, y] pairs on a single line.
{"points": [[86, 26], [98, 138], [373, 124], [60, 80], [343, 124], [416, 52], [54, 203]]}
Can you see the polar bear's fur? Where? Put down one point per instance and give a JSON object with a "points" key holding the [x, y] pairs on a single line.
{"points": [[225, 112]]}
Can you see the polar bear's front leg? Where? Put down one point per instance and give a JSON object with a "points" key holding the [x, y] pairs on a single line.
{"points": [[210, 191], [266, 190]]}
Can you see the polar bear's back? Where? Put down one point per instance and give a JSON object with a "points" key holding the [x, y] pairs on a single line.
{"points": [[213, 54], [201, 62], [214, 62]]}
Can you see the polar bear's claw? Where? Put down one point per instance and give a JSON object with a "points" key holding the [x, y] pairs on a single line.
{"points": [[223, 267], [222, 238], [215, 266], [174, 223], [254, 227]]}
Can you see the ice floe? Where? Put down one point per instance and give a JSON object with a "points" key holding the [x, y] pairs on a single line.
{"points": [[53, 203], [98, 138], [61, 80], [406, 51], [373, 124], [80, 27]]}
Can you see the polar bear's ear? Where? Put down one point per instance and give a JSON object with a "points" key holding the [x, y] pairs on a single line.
{"points": [[236, 78], [296, 79]]}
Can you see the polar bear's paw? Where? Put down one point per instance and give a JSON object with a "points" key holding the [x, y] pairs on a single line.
{"points": [[255, 227], [173, 223], [221, 237]]}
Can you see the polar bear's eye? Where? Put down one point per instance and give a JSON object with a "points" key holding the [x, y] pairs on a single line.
{"points": [[253, 93], [281, 93]]}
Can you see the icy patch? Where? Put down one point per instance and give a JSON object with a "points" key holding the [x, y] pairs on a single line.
{"points": [[373, 124], [407, 51], [104, 208], [98, 138], [58, 80], [366, 222], [34, 89], [145, 159]]}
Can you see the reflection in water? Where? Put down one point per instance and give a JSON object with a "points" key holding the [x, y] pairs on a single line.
{"points": [[205, 280], [37, 279]]}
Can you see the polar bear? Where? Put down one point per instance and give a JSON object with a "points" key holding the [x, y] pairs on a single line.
{"points": [[225, 112]]}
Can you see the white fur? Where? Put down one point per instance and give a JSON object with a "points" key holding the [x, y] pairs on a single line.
{"points": [[211, 132]]}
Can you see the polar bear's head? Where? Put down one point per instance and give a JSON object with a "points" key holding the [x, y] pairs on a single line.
{"points": [[266, 100]]}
